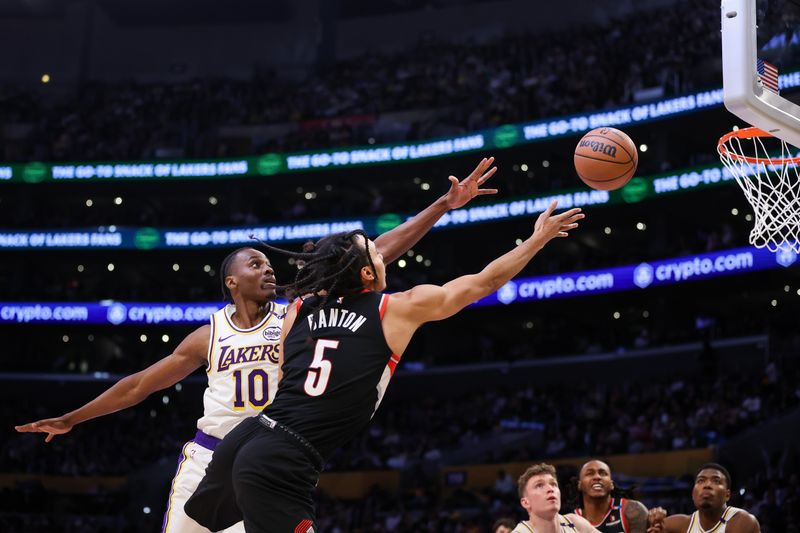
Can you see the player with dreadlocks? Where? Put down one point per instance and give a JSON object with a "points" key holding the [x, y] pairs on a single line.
{"points": [[341, 343], [608, 507], [240, 351]]}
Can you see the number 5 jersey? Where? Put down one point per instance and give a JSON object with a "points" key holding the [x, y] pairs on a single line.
{"points": [[336, 368]]}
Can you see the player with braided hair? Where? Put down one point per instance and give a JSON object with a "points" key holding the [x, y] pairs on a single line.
{"points": [[328, 266], [607, 506], [341, 342], [240, 351]]}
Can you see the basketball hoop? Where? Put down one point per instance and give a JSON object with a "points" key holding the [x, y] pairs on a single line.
{"points": [[771, 185]]}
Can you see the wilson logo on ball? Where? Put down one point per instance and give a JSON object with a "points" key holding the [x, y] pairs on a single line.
{"points": [[605, 159], [597, 146]]}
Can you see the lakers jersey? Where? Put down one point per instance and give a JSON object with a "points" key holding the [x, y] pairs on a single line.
{"points": [[564, 526], [242, 369], [719, 527], [614, 521]]}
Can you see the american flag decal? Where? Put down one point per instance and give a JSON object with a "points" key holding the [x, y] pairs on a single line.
{"points": [[768, 74]]}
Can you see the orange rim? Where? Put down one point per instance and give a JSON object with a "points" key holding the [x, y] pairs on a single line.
{"points": [[750, 133]]}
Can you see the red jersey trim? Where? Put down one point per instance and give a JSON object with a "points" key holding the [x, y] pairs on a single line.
{"points": [[393, 362], [303, 526], [383, 304], [622, 503]]}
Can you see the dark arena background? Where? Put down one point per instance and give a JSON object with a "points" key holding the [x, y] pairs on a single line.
{"points": [[141, 142]]}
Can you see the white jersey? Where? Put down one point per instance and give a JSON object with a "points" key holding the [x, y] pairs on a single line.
{"points": [[242, 369], [564, 526], [719, 527]]}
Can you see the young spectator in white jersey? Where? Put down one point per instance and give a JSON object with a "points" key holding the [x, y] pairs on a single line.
{"points": [[239, 349]]}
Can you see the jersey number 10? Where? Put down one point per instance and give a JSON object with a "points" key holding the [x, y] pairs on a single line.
{"points": [[257, 388]]}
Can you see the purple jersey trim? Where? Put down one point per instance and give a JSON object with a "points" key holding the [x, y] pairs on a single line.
{"points": [[206, 441], [181, 459]]}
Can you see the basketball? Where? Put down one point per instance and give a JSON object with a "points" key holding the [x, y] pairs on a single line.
{"points": [[606, 159]]}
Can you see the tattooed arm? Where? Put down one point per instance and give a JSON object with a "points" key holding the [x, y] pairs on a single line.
{"points": [[635, 516]]}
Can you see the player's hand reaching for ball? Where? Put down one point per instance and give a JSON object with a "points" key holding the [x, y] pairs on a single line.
{"points": [[465, 190], [51, 426], [549, 226]]}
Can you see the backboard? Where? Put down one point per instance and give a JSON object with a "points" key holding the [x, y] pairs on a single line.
{"points": [[757, 34]]}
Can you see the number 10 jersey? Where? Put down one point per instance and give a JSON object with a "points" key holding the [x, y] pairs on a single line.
{"points": [[242, 369]]}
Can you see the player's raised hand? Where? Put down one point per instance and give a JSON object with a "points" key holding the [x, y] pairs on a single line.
{"points": [[51, 426], [465, 190], [548, 226]]}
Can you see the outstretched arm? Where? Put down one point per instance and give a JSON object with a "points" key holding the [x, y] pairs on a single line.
{"points": [[188, 356], [397, 241], [425, 303], [431, 302]]}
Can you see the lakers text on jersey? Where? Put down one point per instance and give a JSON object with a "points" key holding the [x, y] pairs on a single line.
{"points": [[242, 369]]}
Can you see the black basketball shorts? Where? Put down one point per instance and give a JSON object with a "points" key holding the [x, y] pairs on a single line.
{"points": [[260, 475]]}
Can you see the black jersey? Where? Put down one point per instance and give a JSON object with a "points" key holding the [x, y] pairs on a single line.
{"points": [[336, 367], [614, 521]]}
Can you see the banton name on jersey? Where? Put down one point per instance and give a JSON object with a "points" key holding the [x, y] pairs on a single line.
{"points": [[336, 318]]}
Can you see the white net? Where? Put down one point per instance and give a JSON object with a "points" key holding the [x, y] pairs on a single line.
{"points": [[771, 183]]}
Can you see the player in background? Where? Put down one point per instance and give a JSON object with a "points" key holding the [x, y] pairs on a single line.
{"points": [[540, 496], [341, 345], [710, 494], [503, 525], [240, 351], [604, 506]]}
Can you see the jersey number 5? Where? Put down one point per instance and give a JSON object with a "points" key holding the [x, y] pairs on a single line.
{"points": [[319, 371]]}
